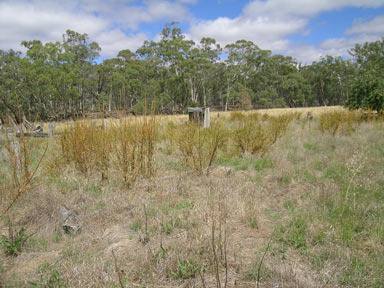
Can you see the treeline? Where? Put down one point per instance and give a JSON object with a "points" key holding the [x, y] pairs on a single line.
{"points": [[62, 79]]}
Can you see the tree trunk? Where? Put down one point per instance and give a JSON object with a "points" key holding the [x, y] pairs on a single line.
{"points": [[110, 100]]}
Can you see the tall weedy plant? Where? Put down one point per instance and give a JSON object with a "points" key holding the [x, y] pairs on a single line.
{"points": [[254, 135], [133, 147], [19, 174], [87, 146], [343, 122], [198, 146]]}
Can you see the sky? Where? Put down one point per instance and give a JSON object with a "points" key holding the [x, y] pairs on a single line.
{"points": [[304, 29]]}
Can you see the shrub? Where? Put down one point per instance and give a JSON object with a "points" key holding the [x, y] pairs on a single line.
{"points": [[279, 124], [251, 136], [128, 145], [334, 122], [256, 137], [78, 145], [199, 146], [133, 148], [367, 93]]}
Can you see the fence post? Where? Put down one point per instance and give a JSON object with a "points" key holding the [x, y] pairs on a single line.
{"points": [[206, 118]]}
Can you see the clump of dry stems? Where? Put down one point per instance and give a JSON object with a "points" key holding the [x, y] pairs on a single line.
{"points": [[133, 145], [343, 122], [254, 135], [127, 146], [19, 174], [199, 146]]}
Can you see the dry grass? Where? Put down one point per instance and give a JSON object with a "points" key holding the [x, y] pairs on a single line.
{"points": [[317, 196]]}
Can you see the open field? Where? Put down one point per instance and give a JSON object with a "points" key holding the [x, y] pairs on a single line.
{"points": [[303, 206]]}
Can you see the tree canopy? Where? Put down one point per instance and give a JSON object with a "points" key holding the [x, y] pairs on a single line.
{"points": [[63, 79]]}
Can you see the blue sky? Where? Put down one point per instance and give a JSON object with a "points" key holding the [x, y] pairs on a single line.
{"points": [[304, 29]]}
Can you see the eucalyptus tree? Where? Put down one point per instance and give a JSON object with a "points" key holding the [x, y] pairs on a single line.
{"points": [[244, 62], [331, 79], [208, 55], [80, 54]]}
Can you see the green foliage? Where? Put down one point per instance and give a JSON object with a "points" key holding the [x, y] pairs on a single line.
{"points": [[368, 90], [186, 269], [295, 233], [263, 163], [330, 79], [64, 81], [49, 276], [13, 244], [254, 273], [367, 93]]}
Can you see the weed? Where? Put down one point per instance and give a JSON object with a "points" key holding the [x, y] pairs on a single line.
{"points": [[13, 244], [78, 145], [133, 148], [167, 227], [136, 225], [256, 274], [128, 145], [295, 233], [21, 170], [344, 122], [263, 163], [198, 146], [256, 137], [58, 236], [49, 277], [161, 254], [251, 137], [186, 269]]}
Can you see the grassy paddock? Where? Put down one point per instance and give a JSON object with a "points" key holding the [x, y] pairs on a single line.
{"points": [[306, 210]]}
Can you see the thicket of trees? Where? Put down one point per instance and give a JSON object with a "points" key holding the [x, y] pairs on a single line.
{"points": [[62, 79]]}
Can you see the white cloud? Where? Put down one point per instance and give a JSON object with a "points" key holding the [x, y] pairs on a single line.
{"points": [[263, 31], [360, 32], [375, 26], [20, 22], [104, 21], [304, 7], [114, 24], [269, 23], [115, 40], [306, 54], [188, 1]]}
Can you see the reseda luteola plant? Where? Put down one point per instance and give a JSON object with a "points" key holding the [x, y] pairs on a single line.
{"points": [[127, 146]]}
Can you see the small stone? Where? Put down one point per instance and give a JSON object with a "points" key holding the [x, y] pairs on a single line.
{"points": [[65, 214], [70, 224]]}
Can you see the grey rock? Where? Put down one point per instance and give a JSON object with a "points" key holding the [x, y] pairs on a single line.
{"points": [[70, 223]]}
